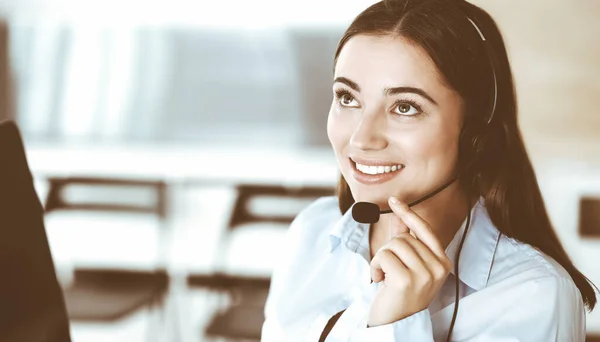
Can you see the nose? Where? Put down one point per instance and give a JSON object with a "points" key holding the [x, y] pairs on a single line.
{"points": [[370, 133]]}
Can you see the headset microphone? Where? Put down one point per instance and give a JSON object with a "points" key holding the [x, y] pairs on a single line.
{"points": [[367, 212]]}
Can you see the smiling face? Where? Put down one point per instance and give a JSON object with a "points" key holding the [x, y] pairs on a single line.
{"points": [[394, 116]]}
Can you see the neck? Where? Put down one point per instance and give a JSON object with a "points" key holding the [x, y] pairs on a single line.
{"points": [[444, 212]]}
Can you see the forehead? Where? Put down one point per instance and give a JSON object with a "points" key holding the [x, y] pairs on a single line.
{"points": [[387, 61]]}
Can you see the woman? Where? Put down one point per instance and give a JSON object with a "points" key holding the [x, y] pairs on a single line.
{"points": [[423, 94]]}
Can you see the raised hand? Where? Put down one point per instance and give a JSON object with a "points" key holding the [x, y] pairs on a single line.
{"points": [[412, 268]]}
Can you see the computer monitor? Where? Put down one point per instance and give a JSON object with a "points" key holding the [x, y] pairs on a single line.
{"points": [[31, 300]]}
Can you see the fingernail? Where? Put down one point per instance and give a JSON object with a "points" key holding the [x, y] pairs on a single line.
{"points": [[394, 200]]}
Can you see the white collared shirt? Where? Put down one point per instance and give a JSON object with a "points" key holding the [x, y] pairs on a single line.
{"points": [[509, 291]]}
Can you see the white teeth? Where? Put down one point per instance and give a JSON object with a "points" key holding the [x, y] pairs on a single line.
{"points": [[374, 170]]}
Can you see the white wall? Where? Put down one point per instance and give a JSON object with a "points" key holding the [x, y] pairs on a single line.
{"points": [[554, 48]]}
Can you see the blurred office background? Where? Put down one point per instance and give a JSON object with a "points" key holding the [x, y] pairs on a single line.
{"points": [[172, 142]]}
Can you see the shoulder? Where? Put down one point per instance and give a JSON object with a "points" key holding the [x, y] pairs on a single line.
{"points": [[532, 271], [302, 249], [318, 215], [309, 229], [322, 207], [537, 286], [514, 257], [523, 266]]}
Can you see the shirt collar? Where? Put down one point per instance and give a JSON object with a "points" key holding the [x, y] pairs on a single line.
{"points": [[348, 232], [476, 257], [479, 248]]}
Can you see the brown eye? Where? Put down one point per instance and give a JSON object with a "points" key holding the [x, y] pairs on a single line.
{"points": [[346, 99], [404, 108]]}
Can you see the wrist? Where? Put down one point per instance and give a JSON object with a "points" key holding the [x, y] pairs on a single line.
{"points": [[375, 320], [378, 321]]}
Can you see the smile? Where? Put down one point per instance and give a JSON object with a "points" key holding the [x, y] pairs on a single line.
{"points": [[367, 173], [374, 170]]}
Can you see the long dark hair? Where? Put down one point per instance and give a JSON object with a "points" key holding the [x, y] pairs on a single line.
{"points": [[503, 174]]}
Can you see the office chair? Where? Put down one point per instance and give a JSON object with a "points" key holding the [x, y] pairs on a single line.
{"points": [[32, 307], [105, 293], [257, 227]]}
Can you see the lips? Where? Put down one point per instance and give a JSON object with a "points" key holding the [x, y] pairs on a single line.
{"points": [[374, 162], [378, 178]]}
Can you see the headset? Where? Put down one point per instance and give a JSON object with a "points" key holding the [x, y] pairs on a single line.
{"points": [[366, 212]]}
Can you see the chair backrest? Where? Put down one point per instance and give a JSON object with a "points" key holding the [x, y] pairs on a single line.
{"points": [[31, 300]]}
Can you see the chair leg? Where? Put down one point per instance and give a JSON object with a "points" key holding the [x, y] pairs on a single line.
{"points": [[157, 321]]}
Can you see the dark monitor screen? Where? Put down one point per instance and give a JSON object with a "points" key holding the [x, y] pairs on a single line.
{"points": [[31, 301], [589, 217]]}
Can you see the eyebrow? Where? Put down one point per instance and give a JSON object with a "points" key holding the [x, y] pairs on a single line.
{"points": [[388, 91]]}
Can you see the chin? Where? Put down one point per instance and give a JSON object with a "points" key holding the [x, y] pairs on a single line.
{"points": [[379, 194], [361, 194]]}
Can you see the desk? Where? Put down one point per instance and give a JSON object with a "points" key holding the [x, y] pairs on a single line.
{"points": [[184, 164]]}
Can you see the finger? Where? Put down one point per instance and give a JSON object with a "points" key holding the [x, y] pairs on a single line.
{"points": [[424, 267], [406, 253], [436, 266], [397, 226], [385, 263], [417, 225]]}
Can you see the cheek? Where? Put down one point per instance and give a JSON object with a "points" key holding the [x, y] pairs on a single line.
{"points": [[429, 145], [339, 131]]}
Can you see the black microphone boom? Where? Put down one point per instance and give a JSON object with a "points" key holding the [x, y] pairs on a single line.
{"points": [[367, 212]]}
